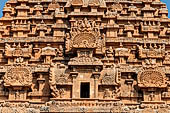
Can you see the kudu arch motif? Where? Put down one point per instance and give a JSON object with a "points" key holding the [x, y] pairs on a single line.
{"points": [[93, 56]]}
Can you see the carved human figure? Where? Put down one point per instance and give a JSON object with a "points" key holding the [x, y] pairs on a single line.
{"points": [[41, 82], [167, 58], [132, 56], [109, 52], [60, 51], [20, 60], [17, 95], [107, 93], [151, 97], [87, 24], [62, 92]]}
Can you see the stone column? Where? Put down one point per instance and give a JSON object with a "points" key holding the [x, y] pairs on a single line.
{"points": [[74, 76], [96, 78]]}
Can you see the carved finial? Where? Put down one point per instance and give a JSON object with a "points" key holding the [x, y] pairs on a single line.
{"points": [[121, 45], [145, 46], [42, 21], [14, 45], [155, 46], [19, 45], [48, 45]]}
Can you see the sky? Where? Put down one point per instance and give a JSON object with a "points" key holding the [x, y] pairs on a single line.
{"points": [[2, 3]]}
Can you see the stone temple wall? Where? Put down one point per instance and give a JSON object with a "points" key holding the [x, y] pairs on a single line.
{"points": [[85, 56]]}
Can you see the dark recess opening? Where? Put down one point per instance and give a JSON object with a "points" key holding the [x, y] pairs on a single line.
{"points": [[85, 90]]}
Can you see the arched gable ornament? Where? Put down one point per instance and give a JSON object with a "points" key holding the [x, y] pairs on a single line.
{"points": [[84, 34], [152, 78], [84, 40]]}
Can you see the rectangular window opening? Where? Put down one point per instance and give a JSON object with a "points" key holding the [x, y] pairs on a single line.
{"points": [[85, 90]]}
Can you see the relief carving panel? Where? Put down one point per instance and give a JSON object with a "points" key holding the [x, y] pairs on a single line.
{"points": [[18, 76], [152, 78]]}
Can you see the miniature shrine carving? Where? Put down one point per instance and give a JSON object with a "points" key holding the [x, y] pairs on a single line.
{"points": [[85, 56]]}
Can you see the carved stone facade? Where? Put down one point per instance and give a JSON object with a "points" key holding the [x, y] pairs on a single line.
{"points": [[85, 56]]}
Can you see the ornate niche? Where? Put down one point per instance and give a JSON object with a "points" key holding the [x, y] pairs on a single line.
{"points": [[18, 79], [152, 81], [60, 83], [85, 34], [151, 51]]}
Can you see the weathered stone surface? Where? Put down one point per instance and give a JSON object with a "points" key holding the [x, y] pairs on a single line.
{"points": [[96, 56]]}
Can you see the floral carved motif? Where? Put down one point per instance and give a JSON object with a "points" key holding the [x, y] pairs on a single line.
{"points": [[151, 78], [18, 76]]}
